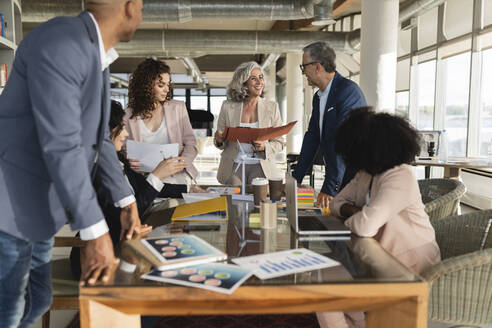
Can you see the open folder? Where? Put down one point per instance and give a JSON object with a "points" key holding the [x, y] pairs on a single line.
{"points": [[215, 209], [253, 134]]}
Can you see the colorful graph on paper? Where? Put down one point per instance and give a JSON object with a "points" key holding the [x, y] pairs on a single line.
{"points": [[272, 265]]}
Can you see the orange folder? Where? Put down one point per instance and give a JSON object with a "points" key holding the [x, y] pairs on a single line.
{"points": [[253, 134]]}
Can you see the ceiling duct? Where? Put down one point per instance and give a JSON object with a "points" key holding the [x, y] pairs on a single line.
{"points": [[415, 8], [323, 13], [194, 43], [38, 11], [269, 60], [194, 72]]}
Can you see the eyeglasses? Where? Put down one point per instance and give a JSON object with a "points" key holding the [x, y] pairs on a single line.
{"points": [[303, 66]]}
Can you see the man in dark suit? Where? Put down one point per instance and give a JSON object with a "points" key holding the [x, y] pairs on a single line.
{"points": [[335, 98], [54, 115]]}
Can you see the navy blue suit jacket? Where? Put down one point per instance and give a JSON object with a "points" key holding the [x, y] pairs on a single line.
{"points": [[344, 95]]}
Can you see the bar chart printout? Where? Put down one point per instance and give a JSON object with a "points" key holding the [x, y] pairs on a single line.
{"points": [[272, 265]]}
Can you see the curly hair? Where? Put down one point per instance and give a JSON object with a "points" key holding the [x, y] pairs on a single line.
{"points": [[140, 88], [116, 122], [375, 142], [237, 89]]}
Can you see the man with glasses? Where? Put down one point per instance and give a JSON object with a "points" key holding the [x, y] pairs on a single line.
{"points": [[331, 103]]}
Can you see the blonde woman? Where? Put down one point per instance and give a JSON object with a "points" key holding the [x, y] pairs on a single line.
{"points": [[245, 107]]}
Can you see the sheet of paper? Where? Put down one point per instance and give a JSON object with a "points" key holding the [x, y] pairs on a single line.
{"points": [[192, 197], [272, 265], [149, 154]]}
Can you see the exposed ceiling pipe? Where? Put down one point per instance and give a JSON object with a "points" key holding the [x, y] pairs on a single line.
{"points": [[415, 8], [194, 72], [271, 59], [194, 43], [38, 11], [323, 13]]}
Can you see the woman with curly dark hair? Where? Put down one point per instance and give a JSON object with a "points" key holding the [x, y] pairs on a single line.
{"points": [[154, 117], [383, 200]]}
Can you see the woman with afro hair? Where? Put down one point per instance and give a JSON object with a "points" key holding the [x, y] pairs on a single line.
{"points": [[383, 200]]}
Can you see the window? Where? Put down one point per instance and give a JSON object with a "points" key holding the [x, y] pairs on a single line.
{"points": [[179, 94], [458, 18], [403, 75], [486, 103], [426, 75], [487, 12], [404, 37], [402, 100], [217, 97], [198, 100], [457, 82], [428, 28]]}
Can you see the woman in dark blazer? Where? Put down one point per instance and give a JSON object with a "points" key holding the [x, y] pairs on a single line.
{"points": [[145, 189]]}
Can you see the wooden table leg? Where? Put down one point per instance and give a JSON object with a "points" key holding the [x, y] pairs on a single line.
{"points": [[409, 313], [96, 315]]}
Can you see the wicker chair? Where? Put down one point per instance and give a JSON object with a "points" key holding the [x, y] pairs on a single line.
{"points": [[441, 197], [461, 285]]}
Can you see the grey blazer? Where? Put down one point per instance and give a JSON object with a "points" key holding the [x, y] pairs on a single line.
{"points": [[54, 114]]}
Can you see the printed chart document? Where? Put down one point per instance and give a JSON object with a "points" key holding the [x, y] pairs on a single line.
{"points": [[149, 154], [175, 251], [217, 277], [272, 265], [253, 134]]}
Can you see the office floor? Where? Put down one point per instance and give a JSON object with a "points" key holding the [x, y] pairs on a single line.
{"points": [[207, 166]]}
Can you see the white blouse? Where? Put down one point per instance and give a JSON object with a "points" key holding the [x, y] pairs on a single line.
{"points": [[159, 136], [247, 148]]}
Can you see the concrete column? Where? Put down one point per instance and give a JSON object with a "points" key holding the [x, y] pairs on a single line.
{"points": [[282, 101], [270, 82], [295, 99], [379, 35]]}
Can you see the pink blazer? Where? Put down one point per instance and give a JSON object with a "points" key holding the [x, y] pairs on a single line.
{"points": [[395, 216], [178, 128]]}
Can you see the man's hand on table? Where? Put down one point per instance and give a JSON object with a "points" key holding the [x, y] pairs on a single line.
{"points": [[129, 221], [99, 260]]}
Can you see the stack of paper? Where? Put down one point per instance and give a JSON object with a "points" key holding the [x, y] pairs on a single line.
{"points": [[149, 154], [305, 197]]}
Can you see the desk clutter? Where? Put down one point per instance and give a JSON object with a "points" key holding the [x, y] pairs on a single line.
{"points": [[188, 260]]}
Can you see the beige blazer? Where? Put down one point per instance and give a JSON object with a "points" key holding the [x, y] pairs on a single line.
{"points": [[268, 116], [395, 216], [178, 128]]}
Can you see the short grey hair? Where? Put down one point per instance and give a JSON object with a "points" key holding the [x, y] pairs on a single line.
{"points": [[237, 90], [322, 53]]}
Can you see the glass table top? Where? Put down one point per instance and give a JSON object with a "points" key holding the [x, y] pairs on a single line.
{"points": [[362, 260]]}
